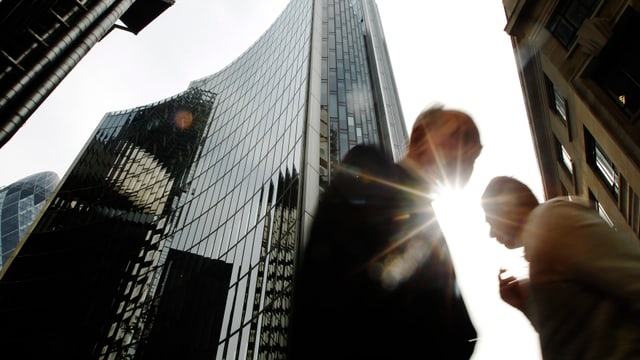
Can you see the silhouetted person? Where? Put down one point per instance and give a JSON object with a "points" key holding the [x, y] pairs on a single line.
{"points": [[377, 280], [583, 290]]}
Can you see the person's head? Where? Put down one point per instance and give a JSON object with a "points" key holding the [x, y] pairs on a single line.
{"points": [[445, 143], [507, 203]]}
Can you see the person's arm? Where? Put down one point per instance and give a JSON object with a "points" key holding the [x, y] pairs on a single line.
{"points": [[513, 291], [516, 292]]}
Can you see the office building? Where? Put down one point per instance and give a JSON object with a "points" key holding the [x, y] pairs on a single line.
{"points": [[580, 77], [20, 203], [41, 42], [177, 230]]}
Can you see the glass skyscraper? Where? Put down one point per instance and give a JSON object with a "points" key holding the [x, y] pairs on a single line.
{"points": [[20, 203], [177, 230]]}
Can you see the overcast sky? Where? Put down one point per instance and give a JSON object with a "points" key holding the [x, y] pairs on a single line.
{"points": [[454, 52]]}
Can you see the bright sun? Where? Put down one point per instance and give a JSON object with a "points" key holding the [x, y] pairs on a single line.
{"points": [[457, 207], [463, 223]]}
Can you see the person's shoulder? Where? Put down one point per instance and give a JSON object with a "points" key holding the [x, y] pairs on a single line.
{"points": [[363, 154], [552, 227], [363, 160], [362, 172], [563, 203], [561, 212], [549, 211]]}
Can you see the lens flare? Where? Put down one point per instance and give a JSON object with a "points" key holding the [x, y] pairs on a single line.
{"points": [[404, 255], [183, 119]]}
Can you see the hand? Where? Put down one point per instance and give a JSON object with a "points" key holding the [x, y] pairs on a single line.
{"points": [[513, 291]]}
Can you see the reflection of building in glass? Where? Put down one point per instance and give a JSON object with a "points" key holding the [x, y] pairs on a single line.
{"points": [[20, 203], [41, 41], [177, 229], [95, 253], [581, 82]]}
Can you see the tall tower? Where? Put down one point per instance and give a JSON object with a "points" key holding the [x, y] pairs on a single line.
{"points": [[20, 203], [41, 42], [582, 90], [178, 228]]}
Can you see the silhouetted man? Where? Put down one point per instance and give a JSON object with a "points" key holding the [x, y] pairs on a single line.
{"points": [[377, 279]]}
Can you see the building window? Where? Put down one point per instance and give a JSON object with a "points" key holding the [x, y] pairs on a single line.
{"points": [[617, 69], [557, 101], [563, 156], [602, 165], [568, 17], [633, 217], [607, 169], [603, 214], [566, 159], [598, 207]]}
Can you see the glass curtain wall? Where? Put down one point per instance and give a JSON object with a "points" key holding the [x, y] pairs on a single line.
{"points": [[177, 228], [20, 203]]}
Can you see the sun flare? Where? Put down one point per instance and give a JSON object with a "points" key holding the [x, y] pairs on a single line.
{"points": [[463, 223], [461, 218], [454, 206]]}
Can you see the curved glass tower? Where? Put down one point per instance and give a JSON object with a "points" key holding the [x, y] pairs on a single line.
{"points": [[20, 203], [180, 224]]}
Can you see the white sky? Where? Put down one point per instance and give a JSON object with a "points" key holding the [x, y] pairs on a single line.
{"points": [[454, 52]]}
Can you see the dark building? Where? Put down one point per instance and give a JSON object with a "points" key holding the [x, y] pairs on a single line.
{"points": [[20, 203], [178, 228], [580, 77], [41, 42]]}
